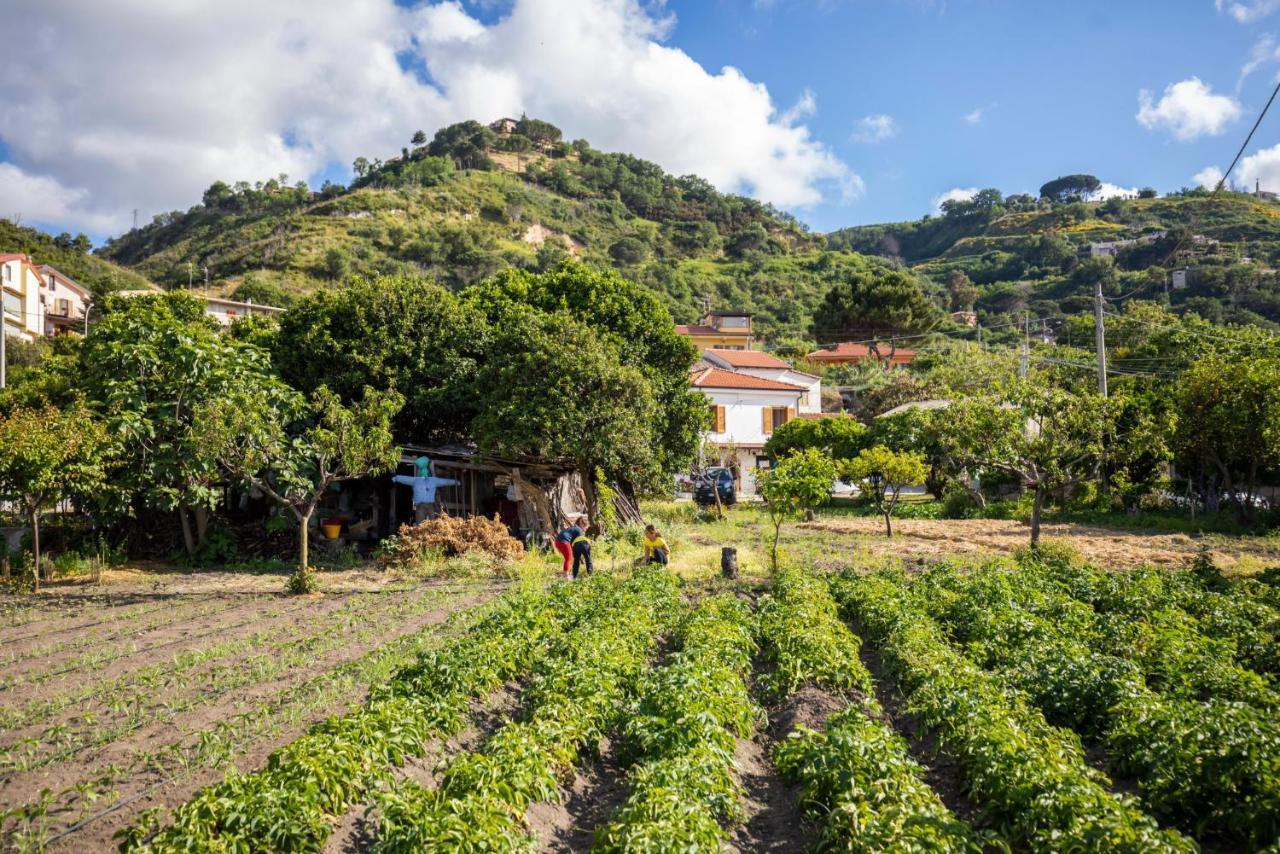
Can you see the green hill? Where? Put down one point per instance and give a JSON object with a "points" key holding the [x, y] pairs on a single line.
{"points": [[1024, 254], [71, 256], [471, 202]]}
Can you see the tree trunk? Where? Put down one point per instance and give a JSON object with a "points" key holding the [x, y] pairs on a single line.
{"points": [[1037, 505], [888, 524], [304, 536], [35, 544], [587, 474], [188, 539], [777, 533], [202, 524]]}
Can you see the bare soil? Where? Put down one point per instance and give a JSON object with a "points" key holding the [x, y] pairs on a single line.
{"points": [[589, 801], [127, 772], [930, 539]]}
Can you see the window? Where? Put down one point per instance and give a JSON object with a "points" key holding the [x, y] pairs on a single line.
{"points": [[717, 418], [64, 307], [773, 417], [763, 462], [8, 273]]}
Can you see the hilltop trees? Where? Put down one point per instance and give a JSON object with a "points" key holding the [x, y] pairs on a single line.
{"points": [[868, 305], [1070, 188]]}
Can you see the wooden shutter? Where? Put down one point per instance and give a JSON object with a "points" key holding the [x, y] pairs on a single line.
{"points": [[791, 413], [719, 419], [766, 419]]}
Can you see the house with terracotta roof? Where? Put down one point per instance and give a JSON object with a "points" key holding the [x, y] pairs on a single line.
{"points": [[746, 409], [21, 287], [65, 302], [757, 363], [849, 353], [726, 330]]}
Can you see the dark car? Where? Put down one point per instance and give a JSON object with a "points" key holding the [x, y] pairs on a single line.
{"points": [[719, 479]]}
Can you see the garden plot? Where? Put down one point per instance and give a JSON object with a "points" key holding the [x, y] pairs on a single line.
{"points": [[116, 710], [1031, 706]]}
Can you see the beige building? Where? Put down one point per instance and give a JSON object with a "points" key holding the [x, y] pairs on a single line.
{"points": [[21, 289], [66, 302]]}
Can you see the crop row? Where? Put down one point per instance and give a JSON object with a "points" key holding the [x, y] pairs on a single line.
{"points": [[292, 803], [577, 694], [136, 710], [1210, 766], [680, 737], [856, 778], [1030, 776]]}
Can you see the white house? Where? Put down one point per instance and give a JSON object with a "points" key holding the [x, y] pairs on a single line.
{"points": [[746, 410], [65, 302], [20, 291], [225, 311], [757, 364]]}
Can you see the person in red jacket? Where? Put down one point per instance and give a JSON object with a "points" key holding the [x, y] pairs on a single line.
{"points": [[564, 542]]}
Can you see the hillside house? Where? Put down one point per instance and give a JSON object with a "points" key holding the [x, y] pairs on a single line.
{"points": [[759, 364], [849, 353], [66, 302], [504, 126], [746, 409], [21, 289], [1178, 278], [723, 330], [225, 311]]}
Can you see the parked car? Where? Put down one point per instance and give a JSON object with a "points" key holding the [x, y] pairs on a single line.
{"points": [[715, 479]]}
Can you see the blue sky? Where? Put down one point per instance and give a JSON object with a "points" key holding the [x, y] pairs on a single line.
{"points": [[842, 111]]}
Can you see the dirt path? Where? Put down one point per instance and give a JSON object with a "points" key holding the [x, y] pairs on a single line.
{"points": [[597, 791], [930, 539]]}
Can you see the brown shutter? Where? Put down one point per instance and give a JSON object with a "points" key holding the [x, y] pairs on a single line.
{"points": [[719, 419], [791, 413], [766, 419]]}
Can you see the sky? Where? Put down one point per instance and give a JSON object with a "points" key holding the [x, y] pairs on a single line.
{"points": [[842, 112]]}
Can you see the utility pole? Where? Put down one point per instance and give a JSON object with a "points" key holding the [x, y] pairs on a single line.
{"points": [[206, 279], [1024, 356], [190, 272], [135, 219], [4, 333], [1100, 335]]}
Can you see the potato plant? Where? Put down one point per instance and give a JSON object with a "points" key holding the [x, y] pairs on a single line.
{"points": [[576, 695], [1031, 776], [291, 804], [680, 735]]}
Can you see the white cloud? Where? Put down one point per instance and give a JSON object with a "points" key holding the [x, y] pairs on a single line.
{"points": [[1188, 109], [1261, 169], [975, 116], [1109, 190], [1208, 177], [1247, 11], [145, 109], [32, 199], [955, 194], [1264, 52], [875, 128]]}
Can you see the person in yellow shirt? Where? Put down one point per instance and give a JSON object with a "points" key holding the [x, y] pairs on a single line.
{"points": [[655, 547]]}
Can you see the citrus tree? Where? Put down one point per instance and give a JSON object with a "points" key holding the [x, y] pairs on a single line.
{"points": [[293, 448], [799, 482], [48, 455], [882, 474]]}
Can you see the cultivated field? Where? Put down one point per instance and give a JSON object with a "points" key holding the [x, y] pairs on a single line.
{"points": [[1021, 703], [118, 698]]}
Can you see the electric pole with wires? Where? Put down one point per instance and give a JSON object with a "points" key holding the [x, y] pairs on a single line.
{"points": [[1100, 337]]}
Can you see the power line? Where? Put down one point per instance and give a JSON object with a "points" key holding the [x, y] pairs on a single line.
{"points": [[1245, 145]]}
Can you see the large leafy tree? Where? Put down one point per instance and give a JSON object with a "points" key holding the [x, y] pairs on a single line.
{"points": [[633, 323], [869, 305], [556, 389], [48, 455], [1046, 436], [396, 333], [1228, 423], [146, 368], [1070, 188], [270, 437]]}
